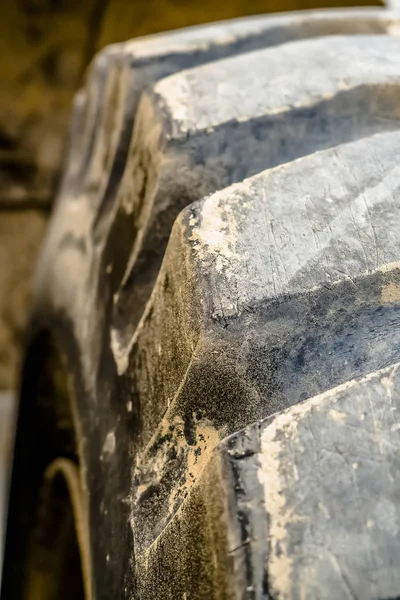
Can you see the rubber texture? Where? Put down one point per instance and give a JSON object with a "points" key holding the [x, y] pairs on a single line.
{"points": [[214, 346]]}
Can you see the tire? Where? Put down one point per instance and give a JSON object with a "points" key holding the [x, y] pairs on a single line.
{"points": [[211, 384]]}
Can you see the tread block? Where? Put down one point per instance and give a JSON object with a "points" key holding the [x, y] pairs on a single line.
{"points": [[120, 72], [315, 221], [328, 471]]}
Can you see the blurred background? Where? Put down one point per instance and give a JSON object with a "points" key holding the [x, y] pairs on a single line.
{"points": [[45, 47]]}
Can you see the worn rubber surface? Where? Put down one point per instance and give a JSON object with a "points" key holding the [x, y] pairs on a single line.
{"points": [[210, 387]]}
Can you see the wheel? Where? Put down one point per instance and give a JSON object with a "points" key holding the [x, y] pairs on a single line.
{"points": [[211, 384]]}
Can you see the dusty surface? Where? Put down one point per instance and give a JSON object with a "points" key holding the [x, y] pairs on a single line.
{"points": [[279, 282]]}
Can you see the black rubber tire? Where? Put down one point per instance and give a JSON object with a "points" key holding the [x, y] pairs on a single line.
{"points": [[211, 386]]}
